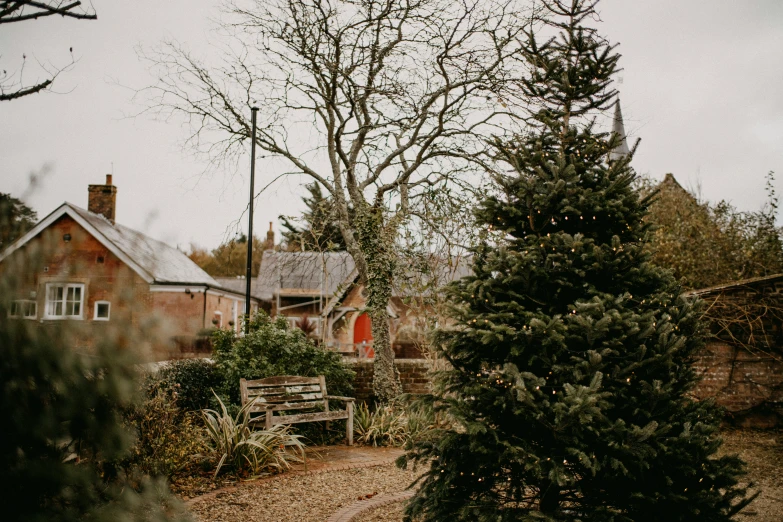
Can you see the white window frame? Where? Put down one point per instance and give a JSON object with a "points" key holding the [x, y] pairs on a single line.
{"points": [[95, 311], [65, 286], [219, 316], [20, 303]]}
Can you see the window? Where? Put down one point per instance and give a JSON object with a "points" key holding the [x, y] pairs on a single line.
{"points": [[102, 311], [64, 301], [24, 308]]}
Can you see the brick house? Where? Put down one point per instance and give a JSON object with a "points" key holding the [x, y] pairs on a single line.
{"points": [[80, 265]]}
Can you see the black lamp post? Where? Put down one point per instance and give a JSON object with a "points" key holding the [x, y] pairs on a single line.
{"points": [[249, 275]]}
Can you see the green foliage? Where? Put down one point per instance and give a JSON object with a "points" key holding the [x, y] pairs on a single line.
{"points": [[394, 424], [62, 430], [241, 448], [16, 218], [320, 232], [570, 352], [383, 427], [707, 244], [193, 381], [229, 258], [168, 438], [272, 348]]}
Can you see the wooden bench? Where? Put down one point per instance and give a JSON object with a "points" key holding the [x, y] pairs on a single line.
{"points": [[289, 393]]}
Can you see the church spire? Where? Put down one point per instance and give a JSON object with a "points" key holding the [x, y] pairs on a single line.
{"points": [[618, 127]]}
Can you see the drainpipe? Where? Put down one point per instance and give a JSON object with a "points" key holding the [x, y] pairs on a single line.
{"points": [[204, 317]]}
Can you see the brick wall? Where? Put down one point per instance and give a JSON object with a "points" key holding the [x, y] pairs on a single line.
{"points": [[748, 385], [102, 199], [414, 375]]}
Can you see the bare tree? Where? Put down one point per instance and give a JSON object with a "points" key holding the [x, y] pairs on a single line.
{"points": [[12, 85], [377, 100]]}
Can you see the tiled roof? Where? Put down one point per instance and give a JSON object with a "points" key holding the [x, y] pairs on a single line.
{"points": [[165, 264], [237, 284], [302, 272], [307, 273]]}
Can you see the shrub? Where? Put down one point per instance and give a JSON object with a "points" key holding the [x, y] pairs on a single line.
{"points": [[393, 424], [383, 427], [241, 448], [193, 380], [168, 438], [272, 348], [62, 430]]}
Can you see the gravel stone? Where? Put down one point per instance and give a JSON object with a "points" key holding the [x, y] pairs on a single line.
{"points": [[301, 498]]}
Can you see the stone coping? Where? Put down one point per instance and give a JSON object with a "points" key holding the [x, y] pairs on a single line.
{"points": [[397, 362]]}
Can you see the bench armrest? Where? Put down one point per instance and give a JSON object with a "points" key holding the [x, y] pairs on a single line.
{"points": [[338, 398]]}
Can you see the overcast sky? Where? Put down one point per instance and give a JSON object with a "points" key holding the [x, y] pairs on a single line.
{"points": [[702, 87]]}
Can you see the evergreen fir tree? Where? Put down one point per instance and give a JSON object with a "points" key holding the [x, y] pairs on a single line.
{"points": [[569, 351], [320, 232]]}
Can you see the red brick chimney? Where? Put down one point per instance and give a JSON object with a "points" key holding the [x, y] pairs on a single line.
{"points": [[102, 199], [270, 238]]}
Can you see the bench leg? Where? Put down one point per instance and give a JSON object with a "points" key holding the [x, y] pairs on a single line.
{"points": [[349, 423], [268, 420]]}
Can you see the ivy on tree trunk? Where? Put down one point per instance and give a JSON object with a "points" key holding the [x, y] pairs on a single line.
{"points": [[377, 243]]}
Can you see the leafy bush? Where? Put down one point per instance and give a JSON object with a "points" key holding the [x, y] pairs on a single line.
{"points": [[167, 437], [272, 348], [193, 381], [62, 432], [244, 449], [383, 427], [393, 424]]}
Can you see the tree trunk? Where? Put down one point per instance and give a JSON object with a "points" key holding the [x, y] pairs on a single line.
{"points": [[386, 379], [377, 243], [549, 501]]}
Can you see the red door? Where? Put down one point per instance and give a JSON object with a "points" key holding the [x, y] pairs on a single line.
{"points": [[362, 336]]}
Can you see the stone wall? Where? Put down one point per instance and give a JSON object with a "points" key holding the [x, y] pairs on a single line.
{"points": [[414, 375], [748, 385]]}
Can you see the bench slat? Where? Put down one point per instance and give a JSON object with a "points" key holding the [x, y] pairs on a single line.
{"points": [[288, 406], [290, 398], [309, 417], [252, 391], [283, 380]]}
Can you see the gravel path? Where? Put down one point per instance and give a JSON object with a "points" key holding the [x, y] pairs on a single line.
{"points": [[316, 496], [763, 451], [301, 498]]}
